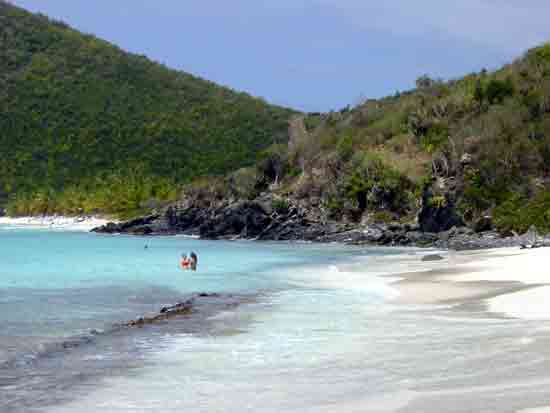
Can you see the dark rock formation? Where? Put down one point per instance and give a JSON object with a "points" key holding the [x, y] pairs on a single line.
{"points": [[483, 224], [438, 214], [439, 226], [165, 313], [138, 226], [245, 219]]}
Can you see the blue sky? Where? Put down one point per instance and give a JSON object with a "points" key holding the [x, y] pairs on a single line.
{"points": [[314, 54]]}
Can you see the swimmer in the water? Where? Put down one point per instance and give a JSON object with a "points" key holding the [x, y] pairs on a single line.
{"points": [[185, 262]]}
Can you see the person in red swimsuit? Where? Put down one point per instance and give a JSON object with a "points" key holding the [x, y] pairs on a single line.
{"points": [[185, 262]]}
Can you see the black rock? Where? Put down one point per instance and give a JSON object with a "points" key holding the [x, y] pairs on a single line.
{"points": [[483, 224], [245, 219], [143, 230], [438, 216], [438, 225], [136, 226], [432, 257]]}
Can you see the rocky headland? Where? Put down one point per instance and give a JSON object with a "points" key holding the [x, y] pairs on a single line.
{"points": [[264, 219]]}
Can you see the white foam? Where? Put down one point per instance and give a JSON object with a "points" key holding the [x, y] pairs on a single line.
{"points": [[526, 340], [340, 278], [55, 222]]}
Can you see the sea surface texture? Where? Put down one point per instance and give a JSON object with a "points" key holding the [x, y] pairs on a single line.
{"points": [[293, 328]]}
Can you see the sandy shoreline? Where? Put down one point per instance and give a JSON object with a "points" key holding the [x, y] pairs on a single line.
{"points": [[512, 282], [56, 222]]}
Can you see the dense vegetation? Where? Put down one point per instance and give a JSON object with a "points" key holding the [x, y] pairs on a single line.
{"points": [[86, 127], [480, 144]]}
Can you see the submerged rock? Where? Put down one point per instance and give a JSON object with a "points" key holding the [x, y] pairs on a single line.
{"points": [[432, 257], [165, 313]]}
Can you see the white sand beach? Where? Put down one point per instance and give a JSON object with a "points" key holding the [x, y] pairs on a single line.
{"points": [[57, 222], [513, 282]]}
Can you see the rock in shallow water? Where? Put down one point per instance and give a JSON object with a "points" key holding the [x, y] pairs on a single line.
{"points": [[165, 313], [432, 257]]}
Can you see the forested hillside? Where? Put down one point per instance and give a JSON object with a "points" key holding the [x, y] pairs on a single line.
{"points": [[474, 151], [85, 126]]}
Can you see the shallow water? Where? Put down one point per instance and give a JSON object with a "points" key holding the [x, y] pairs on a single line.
{"points": [[296, 329]]}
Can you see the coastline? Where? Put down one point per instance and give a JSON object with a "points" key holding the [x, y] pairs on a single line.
{"points": [[57, 222], [509, 282], [257, 220]]}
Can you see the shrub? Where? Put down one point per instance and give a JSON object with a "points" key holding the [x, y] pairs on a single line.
{"points": [[272, 163], [245, 183], [438, 202], [281, 206], [334, 206], [518, 213], [493, 91], [294, 171], [497, 90], [435, 138], [382, 216], [313, 121], [345, 147], [541, 53], [482, 190], [374, 184]]}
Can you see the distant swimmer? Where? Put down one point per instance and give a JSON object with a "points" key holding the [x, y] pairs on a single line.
{"points": [[194, 261], [185, 262]]}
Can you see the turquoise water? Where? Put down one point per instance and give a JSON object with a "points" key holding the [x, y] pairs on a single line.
{"points": [[297, 328], [50, 260], [57, 287], [62, 283]]}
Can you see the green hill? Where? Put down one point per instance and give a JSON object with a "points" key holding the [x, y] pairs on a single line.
{"points": [[85, 126], [473, 150]]}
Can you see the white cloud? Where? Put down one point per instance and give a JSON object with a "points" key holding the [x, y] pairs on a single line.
{"points": [[509, 25]]}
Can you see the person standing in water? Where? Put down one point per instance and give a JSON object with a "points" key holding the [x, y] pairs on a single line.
{"points": [[185, 262], [194, 261]]}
